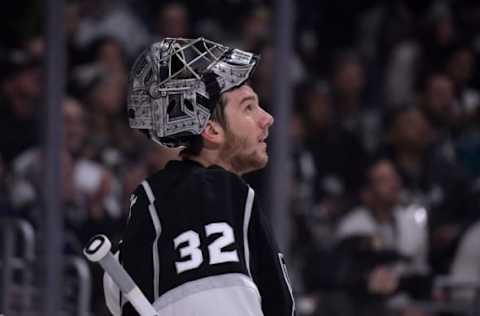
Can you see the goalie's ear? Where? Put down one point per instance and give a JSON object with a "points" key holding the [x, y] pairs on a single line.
{"points": [[213, 135]]}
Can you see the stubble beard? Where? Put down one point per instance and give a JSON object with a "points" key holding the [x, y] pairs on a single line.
{"points": [[241, 160]]}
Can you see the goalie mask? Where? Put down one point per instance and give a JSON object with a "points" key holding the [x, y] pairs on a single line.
{"points": [[175, 84]]}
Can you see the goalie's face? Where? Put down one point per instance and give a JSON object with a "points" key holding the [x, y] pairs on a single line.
{"points": [[244, 145]]}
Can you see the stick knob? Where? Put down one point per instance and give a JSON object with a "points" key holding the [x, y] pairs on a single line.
{"points": [[97, 248]]}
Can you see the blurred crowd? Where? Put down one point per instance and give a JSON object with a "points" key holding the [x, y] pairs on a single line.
{"points": [[385, 135]]}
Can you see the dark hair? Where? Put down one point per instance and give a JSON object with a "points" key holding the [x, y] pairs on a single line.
{"points": [[195, 142], [370, 164]]}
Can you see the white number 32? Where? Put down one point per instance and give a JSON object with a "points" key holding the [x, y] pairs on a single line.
{"points": [[190, 243]]}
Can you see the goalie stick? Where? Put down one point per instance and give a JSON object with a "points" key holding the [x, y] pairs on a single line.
{"points": [[98, 250]]}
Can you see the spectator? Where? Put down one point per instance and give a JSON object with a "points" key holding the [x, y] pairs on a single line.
{"points": [[109, 54], [256, 29], [390, 224], [397, 237], [106, 18], [19, 104], [440, 34], [264, 75], [74, 51], [460, 66], [437, 103], [380, 253], [112, 141], [338, 155], [87, 186], [430, 180], [172, 20], [348, 81]]}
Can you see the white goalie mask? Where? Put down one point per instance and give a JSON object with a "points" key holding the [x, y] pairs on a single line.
{"points": [[174, 86]]}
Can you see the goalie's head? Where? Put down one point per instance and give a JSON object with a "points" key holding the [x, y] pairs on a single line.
{"points": [[175, 84]]}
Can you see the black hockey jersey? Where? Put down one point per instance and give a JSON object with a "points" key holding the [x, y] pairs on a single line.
{"points": [[196, 243]]}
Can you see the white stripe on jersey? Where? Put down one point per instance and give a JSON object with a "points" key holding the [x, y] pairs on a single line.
{"points": [[283, 264], [158, 230], [246, 222], [232, 294], [148, 191]]}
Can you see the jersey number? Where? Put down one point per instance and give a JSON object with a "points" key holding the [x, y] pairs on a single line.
{"points": [[188, 244]]}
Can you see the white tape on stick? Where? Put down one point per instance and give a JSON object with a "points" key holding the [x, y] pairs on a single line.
{"points": [[98, 250]]}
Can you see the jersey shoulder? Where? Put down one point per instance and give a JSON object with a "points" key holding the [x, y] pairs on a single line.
{"points": [[190, 180]]}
